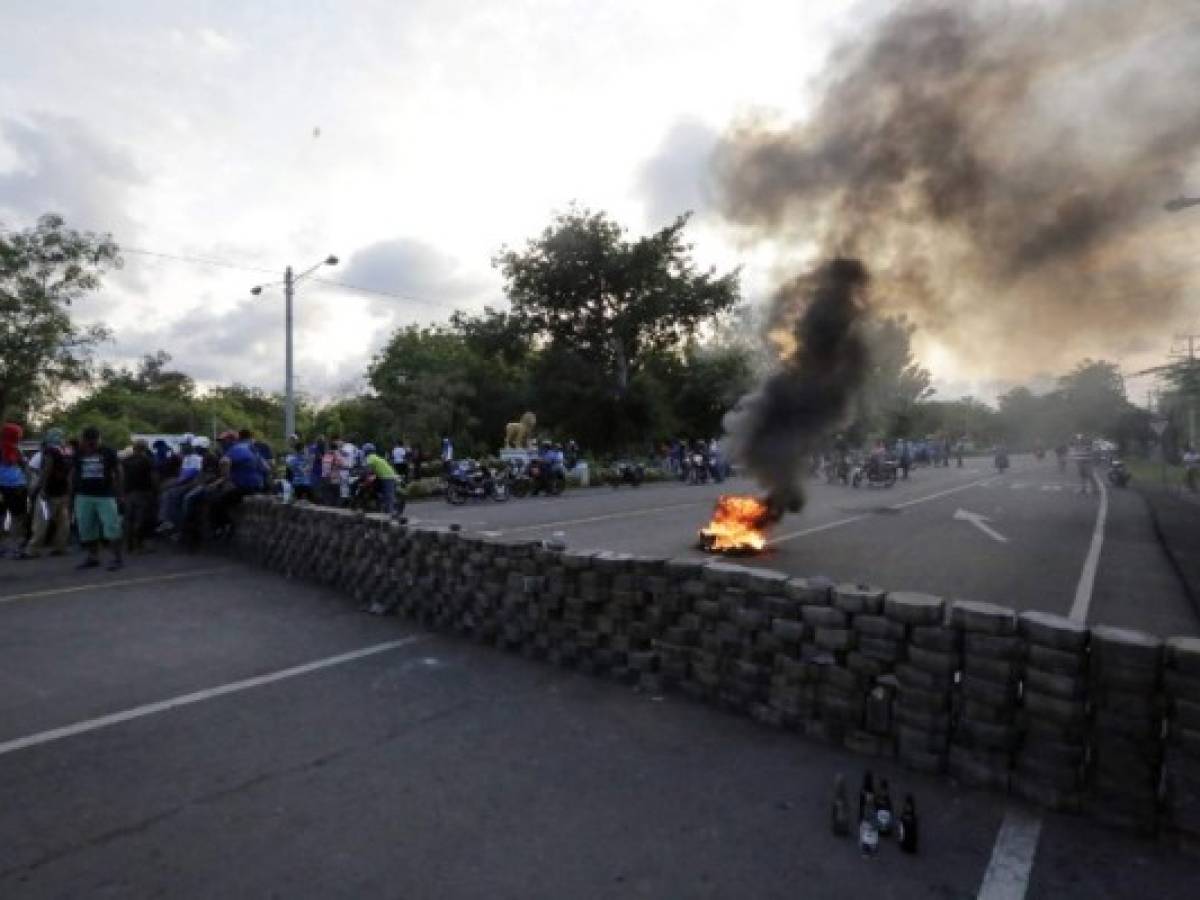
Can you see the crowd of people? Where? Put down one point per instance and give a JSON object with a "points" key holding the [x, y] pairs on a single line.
{"points": [[81, 489]]}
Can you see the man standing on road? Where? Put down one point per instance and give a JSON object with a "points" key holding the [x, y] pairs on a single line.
{"points": [[96, 486], [1081, 453], [140, 487], [14, 486], [52, 509]]}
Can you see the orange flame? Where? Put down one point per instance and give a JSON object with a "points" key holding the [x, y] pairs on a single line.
{"points": [[737, 524]]}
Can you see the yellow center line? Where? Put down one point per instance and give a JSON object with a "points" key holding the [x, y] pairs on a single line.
{"points": [[105, 585]]}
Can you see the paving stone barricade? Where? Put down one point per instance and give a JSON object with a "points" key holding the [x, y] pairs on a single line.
{"points": [[1100, 721]]}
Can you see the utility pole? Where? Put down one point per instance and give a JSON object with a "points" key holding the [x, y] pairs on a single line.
{"points": [[289, 397], [289, 290], [1185, 349]]}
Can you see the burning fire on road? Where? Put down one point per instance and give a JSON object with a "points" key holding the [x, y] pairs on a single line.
{"points": [[738, 525]]}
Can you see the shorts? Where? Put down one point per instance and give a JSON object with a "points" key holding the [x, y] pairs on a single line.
{"points": [[97, 519]]}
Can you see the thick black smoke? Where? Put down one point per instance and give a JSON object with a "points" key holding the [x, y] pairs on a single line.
{"points": [[1001, 168], [817, 317]]}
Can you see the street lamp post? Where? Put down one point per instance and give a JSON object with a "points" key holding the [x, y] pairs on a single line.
{"points": [[1179, 203], [289, 291]]}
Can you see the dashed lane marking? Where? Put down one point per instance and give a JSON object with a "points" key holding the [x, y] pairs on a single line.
{"points": [[1007, 875], [108, 585], [150, 709]]}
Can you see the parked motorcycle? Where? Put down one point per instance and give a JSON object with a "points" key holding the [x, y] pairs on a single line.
{"points": [[625, 472], [474, 482], [538, 477], [364, 493], [1118, 475]]}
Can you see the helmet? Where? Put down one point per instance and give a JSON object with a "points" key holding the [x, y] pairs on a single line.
{"points": [[200, 443], [368, 449]]}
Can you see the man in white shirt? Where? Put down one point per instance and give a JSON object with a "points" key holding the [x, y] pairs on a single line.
{"points": [[347, 459], [400, 460]]}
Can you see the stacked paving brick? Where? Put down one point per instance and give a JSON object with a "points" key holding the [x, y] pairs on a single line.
{"points": [[1054, 712], [1181, 766], [1126, 728], [925, 680], [1101, 720], [985, 731], [795, 666]]}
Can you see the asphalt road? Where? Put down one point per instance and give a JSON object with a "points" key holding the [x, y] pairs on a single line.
{"points": [[194, 728], [902, 538]]}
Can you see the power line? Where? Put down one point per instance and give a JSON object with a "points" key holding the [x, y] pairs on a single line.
{"points": [[363, 290], [199, 260]]}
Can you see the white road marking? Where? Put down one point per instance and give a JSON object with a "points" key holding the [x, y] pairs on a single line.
{"points": [[980, 522], [150, 709], [840, 522], [1087, 578], [1007, 875], [814, 529], [106, 585]]}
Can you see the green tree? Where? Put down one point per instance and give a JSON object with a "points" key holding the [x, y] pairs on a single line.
{"points": [[43, 270], [590, 291]]}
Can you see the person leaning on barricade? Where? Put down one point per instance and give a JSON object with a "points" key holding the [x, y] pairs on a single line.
{"points": [[242, 472]]}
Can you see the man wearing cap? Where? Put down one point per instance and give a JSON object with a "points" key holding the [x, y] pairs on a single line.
{"points": [[53, 506], [96, 484], [243, 472]]}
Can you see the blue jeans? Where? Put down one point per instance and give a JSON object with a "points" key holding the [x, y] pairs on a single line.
{"points": [[387, 495]]}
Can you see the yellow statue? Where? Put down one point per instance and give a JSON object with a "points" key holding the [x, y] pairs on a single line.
{"points": [[518, 434]]}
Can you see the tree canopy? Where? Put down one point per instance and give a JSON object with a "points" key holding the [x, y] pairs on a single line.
{"points": [[43, 270], [592, 292]]}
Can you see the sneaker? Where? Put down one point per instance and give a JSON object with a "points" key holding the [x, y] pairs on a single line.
{"points": [[115, 566], [89, 563]]}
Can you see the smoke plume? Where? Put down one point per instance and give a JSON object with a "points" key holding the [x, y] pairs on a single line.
{"points": [[816, 319], [1001, 169]]}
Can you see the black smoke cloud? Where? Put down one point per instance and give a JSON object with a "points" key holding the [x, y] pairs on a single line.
{"points": [[1000, 168], [818, 317]]}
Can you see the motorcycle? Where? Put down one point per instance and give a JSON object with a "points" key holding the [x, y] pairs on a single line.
{"points": [[474, 482], [876, 473], [625, 472], [1118, 475], [364, 494], [539, 477]]}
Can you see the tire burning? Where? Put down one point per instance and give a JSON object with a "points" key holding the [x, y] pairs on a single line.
{"points": [[816, 321], [738, 525]]}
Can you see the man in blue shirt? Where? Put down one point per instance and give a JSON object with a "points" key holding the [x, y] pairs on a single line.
{"points": [[243, 472]]}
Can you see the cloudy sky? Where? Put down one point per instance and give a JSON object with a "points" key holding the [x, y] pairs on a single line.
{"points": [[412, 138]]}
